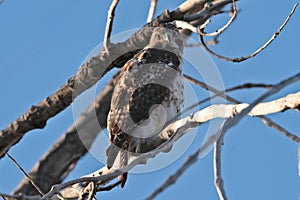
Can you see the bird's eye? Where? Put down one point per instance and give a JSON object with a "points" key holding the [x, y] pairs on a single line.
{"points": [[158, 37]]}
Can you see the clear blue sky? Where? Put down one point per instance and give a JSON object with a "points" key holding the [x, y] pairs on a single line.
{"points": [[43, 43]]}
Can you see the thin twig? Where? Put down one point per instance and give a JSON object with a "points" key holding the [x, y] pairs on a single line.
{"points": [[238, 87], [249, 85], [276, 88], [24, 172], [109, 187], [4, 196], [109, 23], [243, 58], [215, 9], [220, 30], [277, 127], [151, 10], [207, 87], [219, 182], [172, 179], [221, 93]]}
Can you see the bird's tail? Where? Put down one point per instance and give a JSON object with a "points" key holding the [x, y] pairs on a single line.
{"points": [[124, 161], [112, 152]]}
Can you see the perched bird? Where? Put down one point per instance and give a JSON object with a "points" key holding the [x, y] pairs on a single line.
{"points": [[148, 93]]}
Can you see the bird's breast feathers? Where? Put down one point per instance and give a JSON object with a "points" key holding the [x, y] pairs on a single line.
{"points": [[147, 94]]}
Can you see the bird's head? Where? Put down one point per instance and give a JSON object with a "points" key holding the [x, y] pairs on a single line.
{"points": [[167, 38]]}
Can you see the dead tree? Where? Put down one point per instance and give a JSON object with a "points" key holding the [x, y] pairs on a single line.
{"points": [[45, 179]]}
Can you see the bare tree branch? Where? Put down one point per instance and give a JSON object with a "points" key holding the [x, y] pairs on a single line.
{"points": [[19, 196], [219, 183], [238, 87], [214, 8], [109, 187], [238, 114], [243, 58], [218, 179], [151, 10], [250, 85], [60, 159], [223, 94], [109, 23], [220, 30], [277, 127], [69, 148], [172, 179], [176, 130], [26, 175], [276, 88]]}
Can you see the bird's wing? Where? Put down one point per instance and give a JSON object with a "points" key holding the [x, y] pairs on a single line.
{"points": [[135, 95]]}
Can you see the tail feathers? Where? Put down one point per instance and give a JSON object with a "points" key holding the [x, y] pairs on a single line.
{"points": [[112, 153], [123, 163]]}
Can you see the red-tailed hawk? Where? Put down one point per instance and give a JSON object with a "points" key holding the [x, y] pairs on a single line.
{"points": [[148, 93]]}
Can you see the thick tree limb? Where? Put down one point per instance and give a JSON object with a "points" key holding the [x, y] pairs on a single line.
{"points": [[64, 154]]}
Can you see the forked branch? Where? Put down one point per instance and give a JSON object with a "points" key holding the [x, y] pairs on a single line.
{"points": [[182, 126], [243, 58]]}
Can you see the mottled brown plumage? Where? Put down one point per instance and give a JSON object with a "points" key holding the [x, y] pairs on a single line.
{"points": [[148, 93]]}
